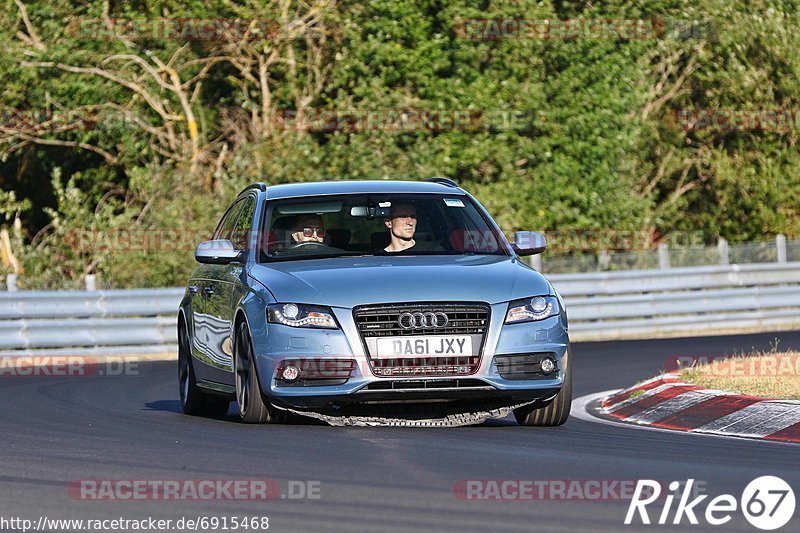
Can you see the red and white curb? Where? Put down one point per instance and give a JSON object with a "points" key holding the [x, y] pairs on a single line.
{"points": [[665, 402]]}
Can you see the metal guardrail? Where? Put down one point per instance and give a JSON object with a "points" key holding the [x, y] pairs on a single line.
{"points": [[606, 305], [676, 279], [681, 301], [130, 321]]}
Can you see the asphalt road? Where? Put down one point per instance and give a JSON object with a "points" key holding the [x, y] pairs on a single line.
{"points": [[61, 429]]}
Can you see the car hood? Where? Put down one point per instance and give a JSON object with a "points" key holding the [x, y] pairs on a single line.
{"points": [[351, 281]]}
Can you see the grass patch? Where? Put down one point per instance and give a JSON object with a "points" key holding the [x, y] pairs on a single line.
{"points": [[769, 374]]}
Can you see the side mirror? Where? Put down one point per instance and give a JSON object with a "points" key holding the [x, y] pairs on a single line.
{"points": [[217, 252], [529, 243]]}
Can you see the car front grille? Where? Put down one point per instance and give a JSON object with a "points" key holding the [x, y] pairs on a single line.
{"points": [[430, 384], [467, 319]]}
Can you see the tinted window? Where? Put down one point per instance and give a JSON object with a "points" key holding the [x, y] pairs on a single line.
{"points": [[225, 226], [241, 230], [379, 224]]}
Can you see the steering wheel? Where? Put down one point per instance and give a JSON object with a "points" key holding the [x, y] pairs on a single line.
{"points": [[306, 243]]}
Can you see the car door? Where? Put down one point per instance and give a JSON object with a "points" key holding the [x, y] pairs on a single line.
{"points": [[213, 324], [228, 282]]}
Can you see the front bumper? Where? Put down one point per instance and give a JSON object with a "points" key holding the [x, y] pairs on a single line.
{"points": [[486, 386], [468, 398]]}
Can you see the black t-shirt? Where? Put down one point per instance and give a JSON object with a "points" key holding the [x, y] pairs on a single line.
{"points": [[419, 246]]}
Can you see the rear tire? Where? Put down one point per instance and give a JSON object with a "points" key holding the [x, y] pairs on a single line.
{"points": [[252, 407], [193, 400], [557, 411]]}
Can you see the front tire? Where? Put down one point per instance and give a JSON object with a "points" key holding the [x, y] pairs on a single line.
{"points": [[193, 400], [252, 408], [557, 411]]}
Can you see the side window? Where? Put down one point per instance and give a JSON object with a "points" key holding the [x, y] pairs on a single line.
{"points": [[225, 227], [241, 230]]}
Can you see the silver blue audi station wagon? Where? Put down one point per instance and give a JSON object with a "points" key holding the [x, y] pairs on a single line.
{"points": [[364, 301]]}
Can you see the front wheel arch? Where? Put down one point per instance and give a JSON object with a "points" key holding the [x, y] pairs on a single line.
{"points": [[272, 414]]}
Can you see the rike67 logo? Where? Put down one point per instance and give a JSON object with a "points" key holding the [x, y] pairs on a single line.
{"points": [[767, 503]]}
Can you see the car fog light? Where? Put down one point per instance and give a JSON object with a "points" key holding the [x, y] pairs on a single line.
{"points": [[290, 373], [548, 366]]}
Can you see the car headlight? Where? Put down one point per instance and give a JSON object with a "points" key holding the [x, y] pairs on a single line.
{"points": [[301, 316], [532, 309]]}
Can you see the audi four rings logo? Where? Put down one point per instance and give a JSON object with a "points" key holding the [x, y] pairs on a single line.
{"points": [[423, 320]]}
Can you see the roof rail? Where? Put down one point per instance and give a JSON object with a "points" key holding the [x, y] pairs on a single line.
{"points": [[261, 186], [444, 181]]}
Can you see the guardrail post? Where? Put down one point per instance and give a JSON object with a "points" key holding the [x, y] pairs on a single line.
{"points": [[11, 283], [91, 282], [536, 262], [663, 256], [780, 244], [724, 252], [603, 260]]}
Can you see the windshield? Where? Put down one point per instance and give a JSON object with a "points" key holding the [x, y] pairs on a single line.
{"points": [[335, 226]]}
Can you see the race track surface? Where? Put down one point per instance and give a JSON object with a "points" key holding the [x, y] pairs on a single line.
{"points": [[61, 429]]}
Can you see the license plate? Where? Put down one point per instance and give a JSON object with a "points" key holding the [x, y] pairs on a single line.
{"points": [[427, 346]]}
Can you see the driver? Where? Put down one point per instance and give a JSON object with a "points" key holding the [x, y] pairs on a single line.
{"points": [[402, 223], [308, 228]]}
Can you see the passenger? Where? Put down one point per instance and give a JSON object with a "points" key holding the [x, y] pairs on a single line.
{"points": [[308, 228], [402, 223]]}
